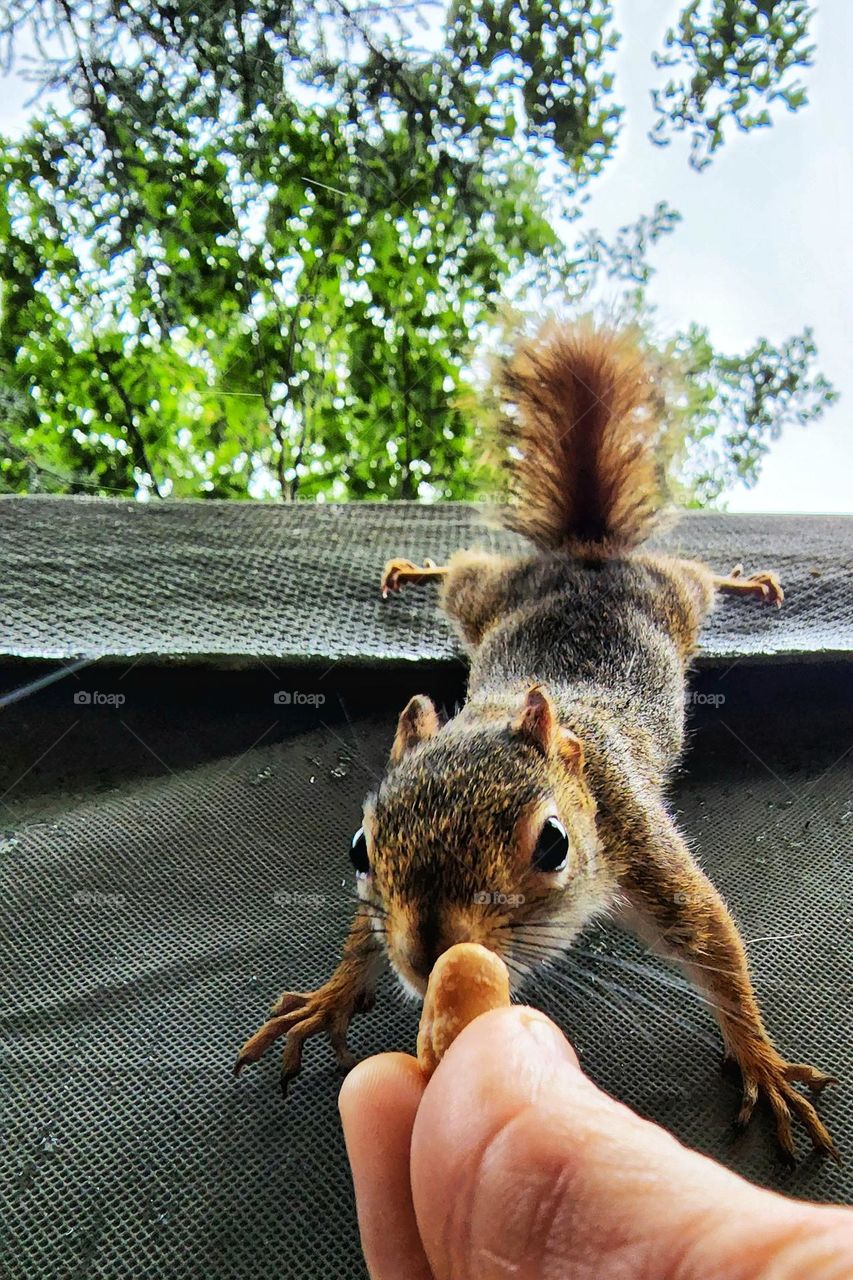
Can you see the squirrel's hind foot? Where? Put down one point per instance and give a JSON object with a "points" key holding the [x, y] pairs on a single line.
{"points": [[399, 573], [765, 585]]}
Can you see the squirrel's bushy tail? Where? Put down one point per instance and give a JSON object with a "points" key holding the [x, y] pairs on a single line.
{"points": [[582, 437]]}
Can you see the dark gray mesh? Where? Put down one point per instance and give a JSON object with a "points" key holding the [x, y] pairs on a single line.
{"points": [[237, 581], [169, 865]]}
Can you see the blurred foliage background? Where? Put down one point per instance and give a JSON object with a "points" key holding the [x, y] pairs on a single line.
{"points": [[259, 252]]}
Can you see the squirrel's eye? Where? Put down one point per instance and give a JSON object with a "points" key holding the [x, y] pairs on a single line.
{"points": [[358, 853], [552, 847]]}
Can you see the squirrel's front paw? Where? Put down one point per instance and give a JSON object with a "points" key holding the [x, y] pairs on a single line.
{"points": [[298, 1015], [765, 1074]]}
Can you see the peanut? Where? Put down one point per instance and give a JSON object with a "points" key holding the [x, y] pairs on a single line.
{"points": [[466, 980]]}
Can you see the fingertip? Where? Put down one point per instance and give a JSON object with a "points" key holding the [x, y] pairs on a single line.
{"points": [[547, 1035], [519, 1034], [500, 1067], [378, 1080]]}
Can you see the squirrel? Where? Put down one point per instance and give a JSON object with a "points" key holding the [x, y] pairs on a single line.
{"points": [[541, 802]]}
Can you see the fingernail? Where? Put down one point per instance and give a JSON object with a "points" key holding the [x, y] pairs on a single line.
{"points": [[549, 1039]]}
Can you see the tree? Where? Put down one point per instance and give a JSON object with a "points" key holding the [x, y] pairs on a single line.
{"points": [[254, 255]]}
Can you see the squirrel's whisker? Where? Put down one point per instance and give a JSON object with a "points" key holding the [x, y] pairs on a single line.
{"points": [[530, 924], [518, 967], [367, 902], [543, 954], [658, 1006], [590, 992], [595, 981], [539, 949], [366, 910], [590, 987], [672, 980]]}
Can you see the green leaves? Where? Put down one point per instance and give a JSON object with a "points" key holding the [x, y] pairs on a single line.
{"points": [[732, 56], [734, 407], [257, 256], [625, 258], [246, 285], [549, 59]]}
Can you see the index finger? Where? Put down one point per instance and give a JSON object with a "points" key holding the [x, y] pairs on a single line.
{"points": [[378, 1103]]}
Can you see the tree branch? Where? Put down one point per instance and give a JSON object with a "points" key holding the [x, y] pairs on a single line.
{"points": [[137, 443]]}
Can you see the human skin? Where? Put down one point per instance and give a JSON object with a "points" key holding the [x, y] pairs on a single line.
{"points": [[512, 1163]]}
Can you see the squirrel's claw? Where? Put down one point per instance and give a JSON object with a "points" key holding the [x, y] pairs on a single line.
{"points": [[291, 1062], [257, 1045], [768, 586], [396, 574], [291, 1058], [814, 1080]]}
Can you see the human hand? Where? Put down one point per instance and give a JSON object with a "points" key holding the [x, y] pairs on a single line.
{"points": [[512, 1163]]}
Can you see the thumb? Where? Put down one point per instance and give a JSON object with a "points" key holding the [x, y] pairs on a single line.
{"points": [[521, 1166]]}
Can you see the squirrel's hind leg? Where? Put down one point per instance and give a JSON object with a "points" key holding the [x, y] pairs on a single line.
{"points": [[473, 587]]}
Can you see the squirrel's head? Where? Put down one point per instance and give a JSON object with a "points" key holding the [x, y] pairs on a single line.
{"points": [[482, 830]]}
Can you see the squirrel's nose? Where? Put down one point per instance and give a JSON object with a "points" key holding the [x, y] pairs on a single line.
{"points": [[432, 940], [421, 954]]}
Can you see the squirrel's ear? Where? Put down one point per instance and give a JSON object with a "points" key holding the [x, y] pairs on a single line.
{"points": [[537, 722], [418, 721]]}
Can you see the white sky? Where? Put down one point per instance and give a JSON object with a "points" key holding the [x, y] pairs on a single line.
{"points": [[765, 244]]}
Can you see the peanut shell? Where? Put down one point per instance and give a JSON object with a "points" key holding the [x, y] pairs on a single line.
{"points": [[466, 980]]}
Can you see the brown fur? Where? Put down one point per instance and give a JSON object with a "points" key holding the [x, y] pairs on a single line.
{"points": [[583, 433]]}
